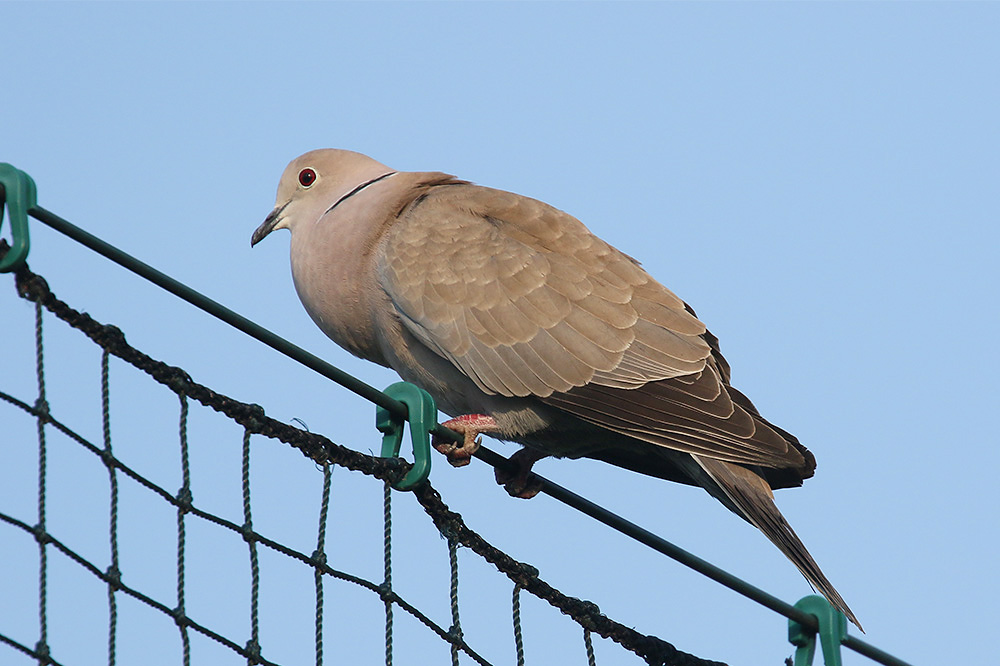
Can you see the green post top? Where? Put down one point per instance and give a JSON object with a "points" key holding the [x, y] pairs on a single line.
{"points": [[832, 632], [422, 417], [17, 189]]}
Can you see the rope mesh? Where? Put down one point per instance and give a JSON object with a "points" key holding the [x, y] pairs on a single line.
{"points": [[650, 649], [253, 645], [456, 625], [518, 638], [183, 503], [386, 587], [41, 411], [113, 571], [589, 645], [320, 558]]}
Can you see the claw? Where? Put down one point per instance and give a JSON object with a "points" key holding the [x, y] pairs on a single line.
{"points": [[517, 479], [459, 455], [470, 425]]}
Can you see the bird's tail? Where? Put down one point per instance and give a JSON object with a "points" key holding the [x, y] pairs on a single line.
{"points": [[750, 497]]}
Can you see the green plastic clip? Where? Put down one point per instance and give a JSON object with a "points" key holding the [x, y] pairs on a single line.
{"points": [[20, 195], [423, 417], [832, 632]]}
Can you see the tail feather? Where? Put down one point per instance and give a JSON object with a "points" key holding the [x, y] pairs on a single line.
{"points": [[749, 496]]}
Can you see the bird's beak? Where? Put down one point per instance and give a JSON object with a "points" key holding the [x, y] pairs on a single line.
{"points": [[270, 222]]}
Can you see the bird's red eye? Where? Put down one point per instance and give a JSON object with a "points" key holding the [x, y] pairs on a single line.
{"points": [[307, 177]]}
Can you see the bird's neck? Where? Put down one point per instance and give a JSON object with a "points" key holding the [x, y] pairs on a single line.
{"points": [[334, 262]]}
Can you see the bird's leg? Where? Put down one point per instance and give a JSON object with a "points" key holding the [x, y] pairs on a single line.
{"points": [[515, 479], [470, 425]]}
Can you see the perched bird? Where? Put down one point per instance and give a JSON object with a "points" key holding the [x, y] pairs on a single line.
{"points": [[523, 324]]}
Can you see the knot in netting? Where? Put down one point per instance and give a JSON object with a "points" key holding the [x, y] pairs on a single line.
{"points": [[450, 533], [184, 499], [180, 619], [252, 651], [41, 536], [42, 651], [42, 409], [110, 336], [395, 469], [661, 653], [30, 286], [254, 418], [113, 576], [177, 380], [318, 559], [385, 592], [246, 531], [455, 634], [528, 570]]}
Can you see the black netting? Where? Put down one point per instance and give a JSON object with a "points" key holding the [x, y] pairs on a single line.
{"points": [[327, 454]]}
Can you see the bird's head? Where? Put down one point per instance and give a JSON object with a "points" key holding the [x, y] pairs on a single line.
{"points": [[316, 183]]}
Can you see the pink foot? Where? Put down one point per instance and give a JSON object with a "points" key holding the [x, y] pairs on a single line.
{"points": [[516, 481], [470, 425]]}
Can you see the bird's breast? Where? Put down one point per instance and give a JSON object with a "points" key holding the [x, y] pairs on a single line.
{"points": [[337, 298]]}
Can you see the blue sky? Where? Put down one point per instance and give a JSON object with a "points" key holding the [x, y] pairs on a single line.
{"points": [[818, 180]]}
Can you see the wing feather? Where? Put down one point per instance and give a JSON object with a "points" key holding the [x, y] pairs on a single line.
{"points": [[524, 300]]}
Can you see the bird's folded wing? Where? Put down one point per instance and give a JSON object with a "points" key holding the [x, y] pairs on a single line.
{"points": [[525, 301]]}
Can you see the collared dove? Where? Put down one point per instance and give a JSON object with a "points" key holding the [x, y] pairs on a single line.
{"points": [[522, 323]]}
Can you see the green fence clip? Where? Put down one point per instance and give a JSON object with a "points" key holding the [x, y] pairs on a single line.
{"points": [[20, 195], [423, 417], [832, 632]]}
